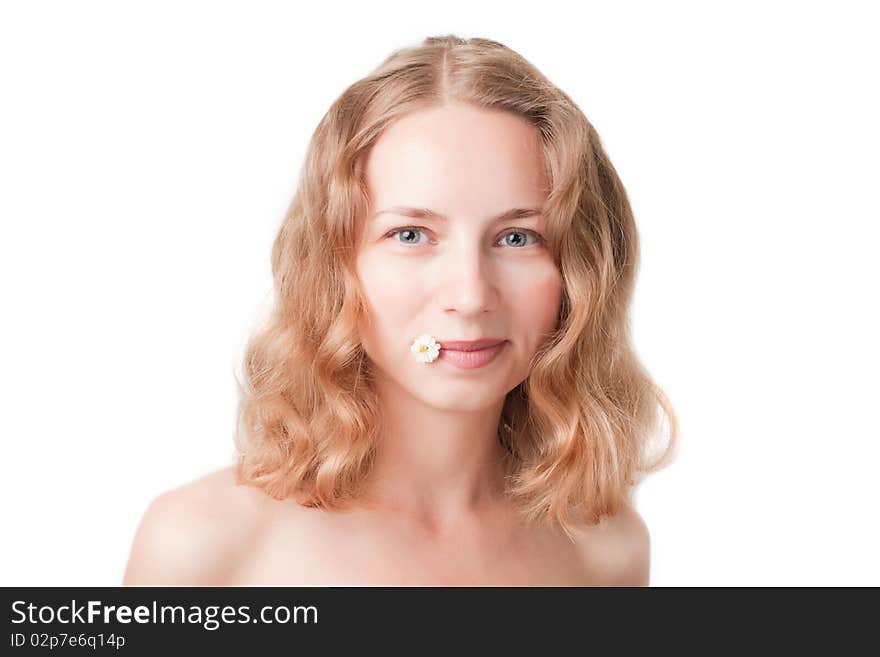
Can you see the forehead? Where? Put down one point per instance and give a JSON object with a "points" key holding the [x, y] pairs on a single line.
{"points": [[457, 158]]}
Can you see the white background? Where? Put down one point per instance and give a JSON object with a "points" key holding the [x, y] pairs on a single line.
{"points": [[148, 152]]}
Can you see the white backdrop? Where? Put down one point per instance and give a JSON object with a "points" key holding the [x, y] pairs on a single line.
{"points": [[148, 152]]}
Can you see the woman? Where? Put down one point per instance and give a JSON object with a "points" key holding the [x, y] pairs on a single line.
{"points": [[445, 393]]}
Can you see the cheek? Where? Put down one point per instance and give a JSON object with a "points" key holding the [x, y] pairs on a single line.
{"points": [[536, 310], [390, 302], [537, 304], [382, 288]]}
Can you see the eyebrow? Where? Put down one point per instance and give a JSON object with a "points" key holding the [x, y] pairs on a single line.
{"points": [[424, 213]]}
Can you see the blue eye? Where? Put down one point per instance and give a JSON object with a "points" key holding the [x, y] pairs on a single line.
{"points": [[407, 232], [411, 232], [521, 241]]}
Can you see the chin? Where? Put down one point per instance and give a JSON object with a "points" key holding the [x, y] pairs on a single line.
{"points": [[461, 400]]}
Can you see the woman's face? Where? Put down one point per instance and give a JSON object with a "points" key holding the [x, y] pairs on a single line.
{"points": [[464, 274]]}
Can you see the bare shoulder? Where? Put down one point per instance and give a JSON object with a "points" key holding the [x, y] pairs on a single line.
{"points": [[618, 548], [195, 534]]}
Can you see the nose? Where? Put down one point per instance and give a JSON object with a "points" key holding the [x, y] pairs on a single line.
{"points": [[467, 280]]}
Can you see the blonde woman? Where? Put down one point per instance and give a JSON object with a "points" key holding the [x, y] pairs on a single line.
{"points": [[445, 392]]}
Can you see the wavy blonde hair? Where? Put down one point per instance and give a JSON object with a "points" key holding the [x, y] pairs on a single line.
{"points": [[579, 432]]}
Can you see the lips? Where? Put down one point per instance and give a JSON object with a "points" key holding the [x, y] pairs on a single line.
{"points": [[473, 345], [472, 360]]}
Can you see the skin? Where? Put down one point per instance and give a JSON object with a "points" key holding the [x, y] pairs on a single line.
{"points": [[434, 512], [466, 277]]}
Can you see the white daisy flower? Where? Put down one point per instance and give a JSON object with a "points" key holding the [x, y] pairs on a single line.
{"points": [[425, 349]]}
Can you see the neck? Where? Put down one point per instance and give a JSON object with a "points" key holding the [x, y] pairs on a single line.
{"points": [[437, 466]]}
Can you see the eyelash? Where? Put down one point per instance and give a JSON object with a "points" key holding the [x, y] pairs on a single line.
{"points": [[538, 238]]}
